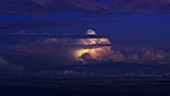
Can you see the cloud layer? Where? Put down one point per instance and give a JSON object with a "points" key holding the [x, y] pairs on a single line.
{"points": [[47, 24], [128, 55], [39, 7]]}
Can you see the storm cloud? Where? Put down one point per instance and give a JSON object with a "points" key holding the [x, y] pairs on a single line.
{"points": [[92, 50]]}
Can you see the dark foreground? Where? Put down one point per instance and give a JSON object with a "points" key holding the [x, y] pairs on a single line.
{"points": [[90, 80], [90, 87]]}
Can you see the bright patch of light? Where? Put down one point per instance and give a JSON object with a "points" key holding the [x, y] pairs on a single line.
{"points": [[94, 41], [90, 32]]}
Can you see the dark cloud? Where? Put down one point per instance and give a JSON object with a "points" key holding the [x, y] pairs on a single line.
{"points": [[86, 5], [39, 7], [2, 61], [87, 57], [142, 5], [7, 66]]}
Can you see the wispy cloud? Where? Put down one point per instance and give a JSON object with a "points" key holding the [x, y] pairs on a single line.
{"points": [[47, 24], [39, 7]]}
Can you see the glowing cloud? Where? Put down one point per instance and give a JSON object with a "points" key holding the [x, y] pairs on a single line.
{"points": [[90, 32], [109, 54], [93, 50]]}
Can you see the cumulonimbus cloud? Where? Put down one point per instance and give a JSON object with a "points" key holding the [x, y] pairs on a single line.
{"points": [[39, 7], [93, 50]]}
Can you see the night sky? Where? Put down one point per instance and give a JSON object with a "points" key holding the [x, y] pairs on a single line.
{"points": [[139, 22], [149, 19], [98, 46], [134, 23], [74, 16]]}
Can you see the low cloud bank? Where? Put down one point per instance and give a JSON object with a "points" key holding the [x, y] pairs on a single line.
{"points": [[131, 55]]}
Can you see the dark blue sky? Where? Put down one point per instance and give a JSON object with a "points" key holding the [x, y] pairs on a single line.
{"points": [[149, 20], [139, 30]]}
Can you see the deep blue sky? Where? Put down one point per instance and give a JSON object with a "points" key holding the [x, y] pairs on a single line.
{"points": [[149, 20]]}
